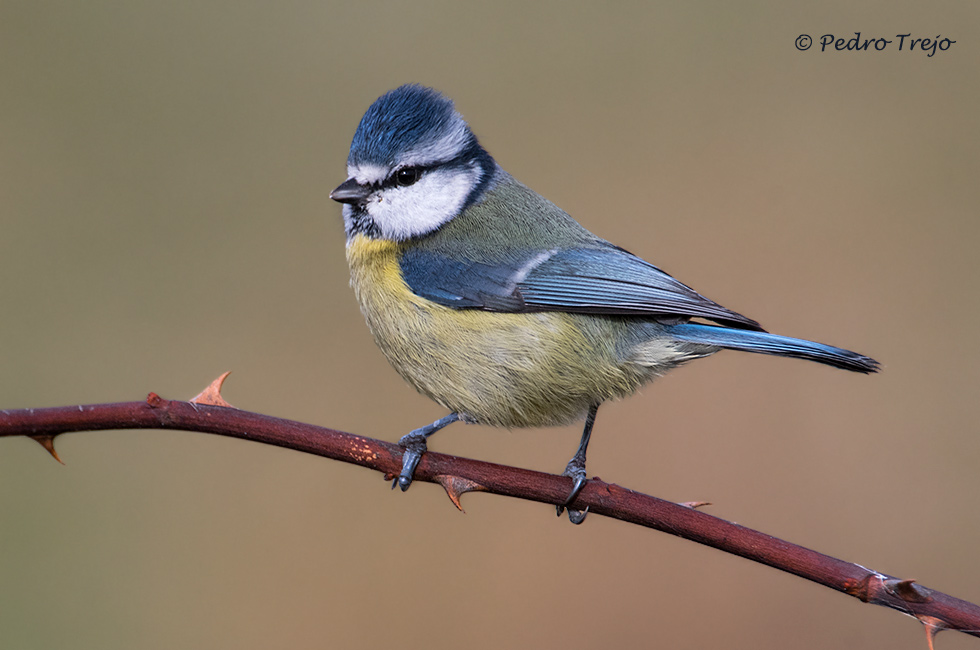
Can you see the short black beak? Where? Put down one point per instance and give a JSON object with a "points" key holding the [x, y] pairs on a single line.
{"points": [[350, 191]]}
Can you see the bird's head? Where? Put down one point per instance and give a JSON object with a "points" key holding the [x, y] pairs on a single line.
{"points": [[414, 164]]}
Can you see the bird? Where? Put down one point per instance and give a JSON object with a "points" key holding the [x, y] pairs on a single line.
{"points": [[495, 303]]}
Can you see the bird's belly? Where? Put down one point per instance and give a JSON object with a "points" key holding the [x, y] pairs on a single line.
{"points": [[511, 370]]}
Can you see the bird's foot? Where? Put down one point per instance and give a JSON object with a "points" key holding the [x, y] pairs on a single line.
{"points": [[415, 445], [576, 471]]}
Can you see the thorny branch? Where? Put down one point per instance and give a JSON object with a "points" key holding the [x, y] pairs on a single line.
{"points": [[209, 413]]}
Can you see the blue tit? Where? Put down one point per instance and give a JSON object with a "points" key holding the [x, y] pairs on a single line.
{"points": [[495, 303]]}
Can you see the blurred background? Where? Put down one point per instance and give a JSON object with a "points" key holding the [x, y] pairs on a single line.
{"points": [[164, 217]]}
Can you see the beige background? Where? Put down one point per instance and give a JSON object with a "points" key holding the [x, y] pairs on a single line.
{"points": [[164, 171]]}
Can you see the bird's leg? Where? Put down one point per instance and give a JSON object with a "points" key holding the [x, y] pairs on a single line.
{"points": [[415, 445], [576, 470]]}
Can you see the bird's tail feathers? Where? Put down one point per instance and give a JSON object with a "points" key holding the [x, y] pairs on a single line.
{"points": [[766, 343]]}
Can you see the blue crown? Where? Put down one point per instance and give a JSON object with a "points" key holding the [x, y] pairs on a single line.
{"points": [[408, 118]]}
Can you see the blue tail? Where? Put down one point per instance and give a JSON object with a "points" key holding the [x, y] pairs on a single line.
{"points": [[766, 343]]}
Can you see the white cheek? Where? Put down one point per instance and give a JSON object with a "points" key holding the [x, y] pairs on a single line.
{"points": [[404, 212]]}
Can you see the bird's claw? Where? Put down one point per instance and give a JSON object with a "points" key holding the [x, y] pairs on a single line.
{"points": [[402, 481], [577, 516], [415, 445], [576, 471]]}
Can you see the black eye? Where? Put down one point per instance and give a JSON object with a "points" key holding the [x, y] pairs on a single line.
{"points": [[408, 176]]}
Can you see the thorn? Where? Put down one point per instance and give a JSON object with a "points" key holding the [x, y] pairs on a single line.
{"points": [[694, 505], [933, 626], [907, 590], [456, 487], [47, 441], [212, 394]]}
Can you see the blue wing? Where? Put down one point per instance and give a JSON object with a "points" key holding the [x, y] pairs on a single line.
{"points": [[585, 280]]}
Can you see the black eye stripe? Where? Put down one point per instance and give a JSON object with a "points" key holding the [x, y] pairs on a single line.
{"points": [[462, 161]]}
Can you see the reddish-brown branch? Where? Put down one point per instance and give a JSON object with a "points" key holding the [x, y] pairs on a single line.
{"points": [[460, 475]]}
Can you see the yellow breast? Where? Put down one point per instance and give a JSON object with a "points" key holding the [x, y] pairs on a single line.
{"points": [[511, 370]]}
